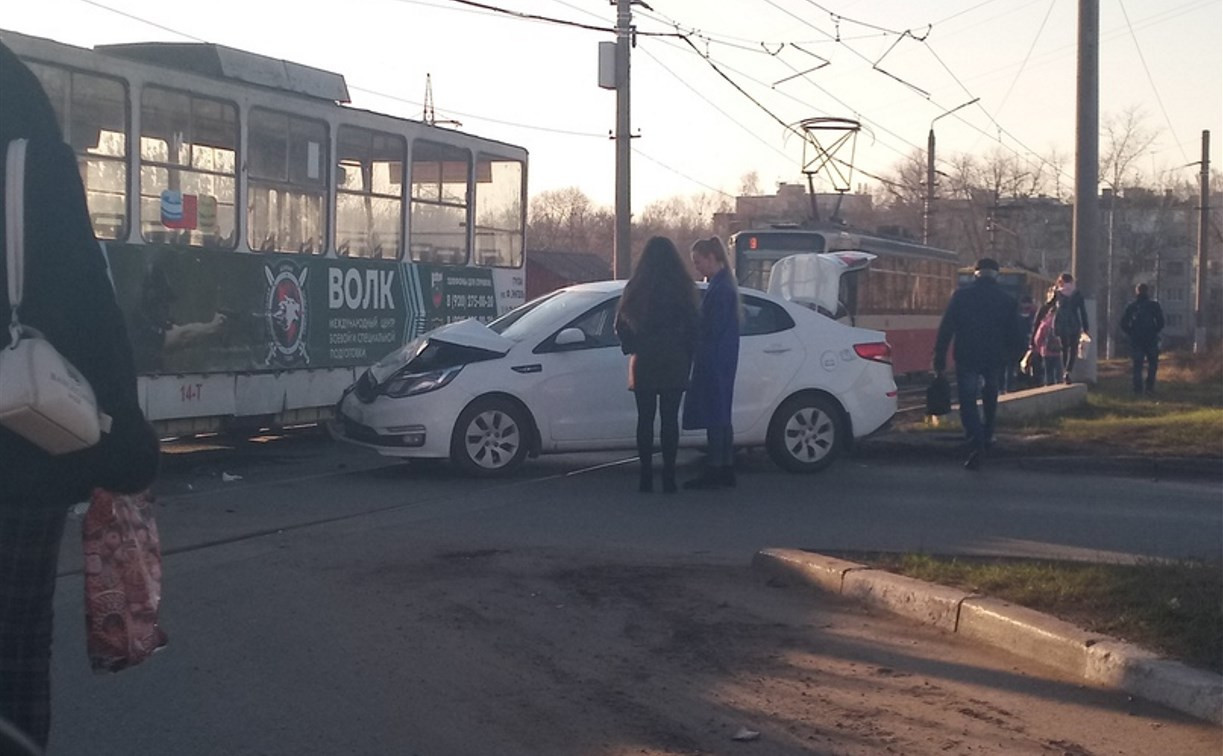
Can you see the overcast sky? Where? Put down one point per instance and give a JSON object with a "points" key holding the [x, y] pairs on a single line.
{"points": [[534, 83]]}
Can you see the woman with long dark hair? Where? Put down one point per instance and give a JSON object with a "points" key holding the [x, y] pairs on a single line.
{"points": [[714, 366], [657, 325], [68, 298]]}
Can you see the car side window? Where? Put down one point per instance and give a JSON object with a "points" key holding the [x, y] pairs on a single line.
{"points": [[598, 325], [761, 317]]}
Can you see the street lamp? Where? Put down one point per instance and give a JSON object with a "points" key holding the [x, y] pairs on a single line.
{"points": [[929, 204]]}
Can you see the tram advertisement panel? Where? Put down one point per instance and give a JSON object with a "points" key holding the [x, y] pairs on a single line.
{"points": [[202, 311]]}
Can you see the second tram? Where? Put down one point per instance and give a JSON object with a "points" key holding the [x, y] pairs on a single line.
{"points": [[903, 292]]}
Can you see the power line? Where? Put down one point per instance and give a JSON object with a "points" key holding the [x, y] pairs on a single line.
{"points": [[145, 21], [1026, 57], [712, 104], [1151, 80], [682, 174]]}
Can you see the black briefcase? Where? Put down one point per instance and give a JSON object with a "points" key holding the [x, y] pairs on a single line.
{"points": [[938, 396]]}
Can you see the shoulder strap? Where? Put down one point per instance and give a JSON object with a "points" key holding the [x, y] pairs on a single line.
{"points": [[14, 227]]}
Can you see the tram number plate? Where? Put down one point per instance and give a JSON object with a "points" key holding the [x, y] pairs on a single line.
{"points": [[191, 392]]}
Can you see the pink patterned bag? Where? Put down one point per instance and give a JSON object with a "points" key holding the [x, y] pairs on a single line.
{"points": [[122, 580]]}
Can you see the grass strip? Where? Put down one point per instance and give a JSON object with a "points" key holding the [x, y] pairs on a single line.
{"points": [[1172, 608]]}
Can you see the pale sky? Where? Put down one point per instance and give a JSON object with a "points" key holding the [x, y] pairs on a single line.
{"points": [[535, 84]]}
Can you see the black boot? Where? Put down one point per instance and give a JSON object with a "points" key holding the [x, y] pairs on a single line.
{"points": [[646, 482]]}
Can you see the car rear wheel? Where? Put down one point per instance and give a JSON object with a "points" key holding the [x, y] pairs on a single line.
{"points": [[806, 434], [490, 437]]}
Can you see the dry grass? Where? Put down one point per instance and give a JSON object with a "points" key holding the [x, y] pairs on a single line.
{"points": [[1175, 608]]}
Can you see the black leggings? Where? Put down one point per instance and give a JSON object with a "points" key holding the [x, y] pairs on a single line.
{"points": [[667, 404]]}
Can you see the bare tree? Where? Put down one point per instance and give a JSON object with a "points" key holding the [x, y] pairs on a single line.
{"points": [[1126, 138], [749, 185], [565, 220]]}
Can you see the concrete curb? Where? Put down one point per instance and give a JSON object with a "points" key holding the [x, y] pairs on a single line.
{"points": [[1096, 659]]}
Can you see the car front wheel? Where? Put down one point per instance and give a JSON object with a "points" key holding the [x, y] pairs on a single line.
{"points": [[806, 434], [490, 437]]}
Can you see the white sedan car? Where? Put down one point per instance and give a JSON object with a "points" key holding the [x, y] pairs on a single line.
{"points": [[549, 377]]}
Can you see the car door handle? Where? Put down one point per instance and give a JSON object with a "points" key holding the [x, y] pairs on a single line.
{"points": [[776, 349], [532, 368]]}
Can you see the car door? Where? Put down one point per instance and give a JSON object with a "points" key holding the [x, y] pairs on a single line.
{"points": [[770, 353], [583, 392]]}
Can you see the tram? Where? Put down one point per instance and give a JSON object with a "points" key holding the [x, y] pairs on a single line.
{"points": [[903, 292], [266, 240]]}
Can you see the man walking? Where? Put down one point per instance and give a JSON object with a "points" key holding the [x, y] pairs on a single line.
{"points": [[1142, 321], [984, 321]]}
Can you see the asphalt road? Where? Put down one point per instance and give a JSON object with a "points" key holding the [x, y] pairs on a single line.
{"points": [[322, 600]]}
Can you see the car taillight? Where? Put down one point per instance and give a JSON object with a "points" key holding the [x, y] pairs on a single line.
{"points": [[879, 351]]}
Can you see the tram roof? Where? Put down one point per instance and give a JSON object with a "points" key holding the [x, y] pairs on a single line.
{"points": [[221, 62]]}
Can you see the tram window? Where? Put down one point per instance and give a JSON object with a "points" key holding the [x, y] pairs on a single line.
{"points": [[369, 193], [188, 169], [288, 160], [92, 113], [498, 212], [438, 223]]}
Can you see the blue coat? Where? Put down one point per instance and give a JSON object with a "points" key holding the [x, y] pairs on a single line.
{"points": [[711, 392]]}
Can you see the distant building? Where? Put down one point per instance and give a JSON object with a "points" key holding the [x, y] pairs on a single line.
{"points": [[792, 204], [549, 271]]}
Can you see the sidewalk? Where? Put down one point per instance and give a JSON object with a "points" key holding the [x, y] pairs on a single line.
{"points": [[1046, 453], [1031, 453], [1095, 659]]}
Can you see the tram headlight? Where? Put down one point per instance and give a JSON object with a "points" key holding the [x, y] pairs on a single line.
{"points": [[411, 384]]}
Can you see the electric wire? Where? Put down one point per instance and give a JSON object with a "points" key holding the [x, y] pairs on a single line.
{"points": [[681, 174], [1019, 72], [1151, 80]]}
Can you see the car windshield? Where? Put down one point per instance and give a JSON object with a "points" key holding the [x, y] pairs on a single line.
{"points": [[517, 324]]}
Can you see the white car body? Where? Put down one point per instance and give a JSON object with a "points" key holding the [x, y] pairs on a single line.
{"points": [[529, 392]]}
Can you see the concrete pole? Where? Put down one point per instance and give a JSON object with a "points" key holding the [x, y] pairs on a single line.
{"points": [[1199, 300], [1084, 253], [622, 254]]}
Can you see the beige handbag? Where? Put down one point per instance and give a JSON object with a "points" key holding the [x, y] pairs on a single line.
{"points": [[43, 398]]}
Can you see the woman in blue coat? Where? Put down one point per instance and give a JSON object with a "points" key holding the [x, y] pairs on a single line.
{"points": [[714, 365]]}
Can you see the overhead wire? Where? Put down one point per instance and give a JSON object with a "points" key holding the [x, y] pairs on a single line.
{"points": [[1151, 80]]}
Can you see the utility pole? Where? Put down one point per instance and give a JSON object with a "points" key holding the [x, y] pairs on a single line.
{"points": [[622, 254], [928, 210], [1084, 250], [1199, 300]]}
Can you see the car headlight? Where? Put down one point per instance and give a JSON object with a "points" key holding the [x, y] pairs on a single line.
{"points": [[411, 384]]}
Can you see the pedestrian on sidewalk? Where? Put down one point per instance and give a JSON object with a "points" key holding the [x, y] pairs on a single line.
{"points": [[983, 320], [657, 323], [68, 298], [1070, 323], [711, 394], [1142, 322]]}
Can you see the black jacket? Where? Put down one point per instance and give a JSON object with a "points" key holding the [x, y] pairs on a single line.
{"points": [[68, 297], [663, 347], [984, 321], [1142, 321]]}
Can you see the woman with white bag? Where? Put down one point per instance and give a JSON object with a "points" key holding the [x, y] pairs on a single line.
{"points": [[67, 297]]}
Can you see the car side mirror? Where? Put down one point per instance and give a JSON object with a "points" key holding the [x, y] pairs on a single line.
{"points": [[570, 336]]}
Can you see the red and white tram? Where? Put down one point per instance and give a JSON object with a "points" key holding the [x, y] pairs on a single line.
{"points": [[903, 292]]}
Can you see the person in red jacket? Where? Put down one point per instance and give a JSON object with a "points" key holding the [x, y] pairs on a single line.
{"points": [[69, 299]]}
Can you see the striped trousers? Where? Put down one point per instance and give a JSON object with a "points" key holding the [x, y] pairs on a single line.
{"points": [[30, 534]]}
